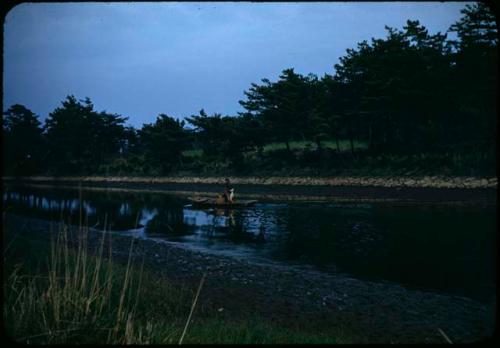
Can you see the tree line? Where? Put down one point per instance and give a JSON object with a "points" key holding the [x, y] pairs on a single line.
{"points": [[409, 93]]}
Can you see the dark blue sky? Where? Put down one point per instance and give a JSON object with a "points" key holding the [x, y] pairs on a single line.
{"points": [[143, 59]]}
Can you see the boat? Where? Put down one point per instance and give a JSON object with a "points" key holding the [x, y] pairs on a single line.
{"points": [[213, 202]]}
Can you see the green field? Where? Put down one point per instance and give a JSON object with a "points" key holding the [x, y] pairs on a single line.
{"points": [[192, 153], [344, 145]]}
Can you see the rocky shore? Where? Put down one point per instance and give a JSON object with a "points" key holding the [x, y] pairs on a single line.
{"points": [[400, 190], [379, 312], [395, 181]]}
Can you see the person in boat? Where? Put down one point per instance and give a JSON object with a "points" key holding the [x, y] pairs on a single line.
{"points": [[228, 192]]}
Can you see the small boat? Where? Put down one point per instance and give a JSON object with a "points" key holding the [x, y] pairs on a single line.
{"points": [[212, 202]]}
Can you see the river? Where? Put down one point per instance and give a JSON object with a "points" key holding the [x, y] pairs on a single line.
{"points": [[445, 248]]}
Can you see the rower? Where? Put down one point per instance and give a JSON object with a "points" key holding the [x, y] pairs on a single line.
{"points": [[228, 192]]}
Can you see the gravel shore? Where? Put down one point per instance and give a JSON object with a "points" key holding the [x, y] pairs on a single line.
{"points": [[395, 181], [382, 312], [432, 190]]}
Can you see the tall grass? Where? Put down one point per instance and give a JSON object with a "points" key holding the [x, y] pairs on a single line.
{"points": [[81, 296]]}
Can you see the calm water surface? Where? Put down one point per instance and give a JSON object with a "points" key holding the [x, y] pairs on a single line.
{"points": [[443, 248]]}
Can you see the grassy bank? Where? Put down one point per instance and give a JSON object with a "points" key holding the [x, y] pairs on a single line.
{"points": [[64, 292], [303, 159], [306, 159], [341, 146]]}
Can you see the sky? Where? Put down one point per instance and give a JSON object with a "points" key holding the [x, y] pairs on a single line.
{"points": [[143, 59]]}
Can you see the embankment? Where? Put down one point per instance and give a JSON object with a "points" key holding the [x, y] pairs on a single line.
{"points": [[400, 189]]}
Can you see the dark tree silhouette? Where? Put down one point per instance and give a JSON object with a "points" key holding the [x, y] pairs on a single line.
{"points": [[284, 106], [23, 147], [392, 90], [163, 142], [475, 77], [79, 138]]}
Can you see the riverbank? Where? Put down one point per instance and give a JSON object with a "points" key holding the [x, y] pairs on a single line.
{"points": [[425, 189], [393, 181], [296, 298]]}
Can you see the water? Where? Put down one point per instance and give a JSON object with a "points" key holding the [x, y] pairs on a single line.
{"points": [[442, 248]]}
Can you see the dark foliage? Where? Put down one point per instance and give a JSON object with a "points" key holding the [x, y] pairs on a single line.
{"points": [[163, 142], [23, 143], [415, 100], [80, 139]]}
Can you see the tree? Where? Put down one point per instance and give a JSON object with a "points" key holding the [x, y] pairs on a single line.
{"points": [[283, 106], [23, 147], [130, 143], [476, 76], [251, 132], [163, 142], [477, 29], [211, 133], [80, 139], [321, 119], [390, 91], [335, 105], [228, 137], [261, 104]]}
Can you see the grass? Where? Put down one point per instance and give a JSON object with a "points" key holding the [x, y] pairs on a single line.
{"points": [[344, 145], [193, 153], [78, 297], [83, 296], [253, 331]]}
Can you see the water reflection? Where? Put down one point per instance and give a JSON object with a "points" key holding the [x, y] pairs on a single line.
{"points": [[447, 248], [235, 225]]}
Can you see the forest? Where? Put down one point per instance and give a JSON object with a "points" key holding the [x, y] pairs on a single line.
{"points": [[410, 103]]}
